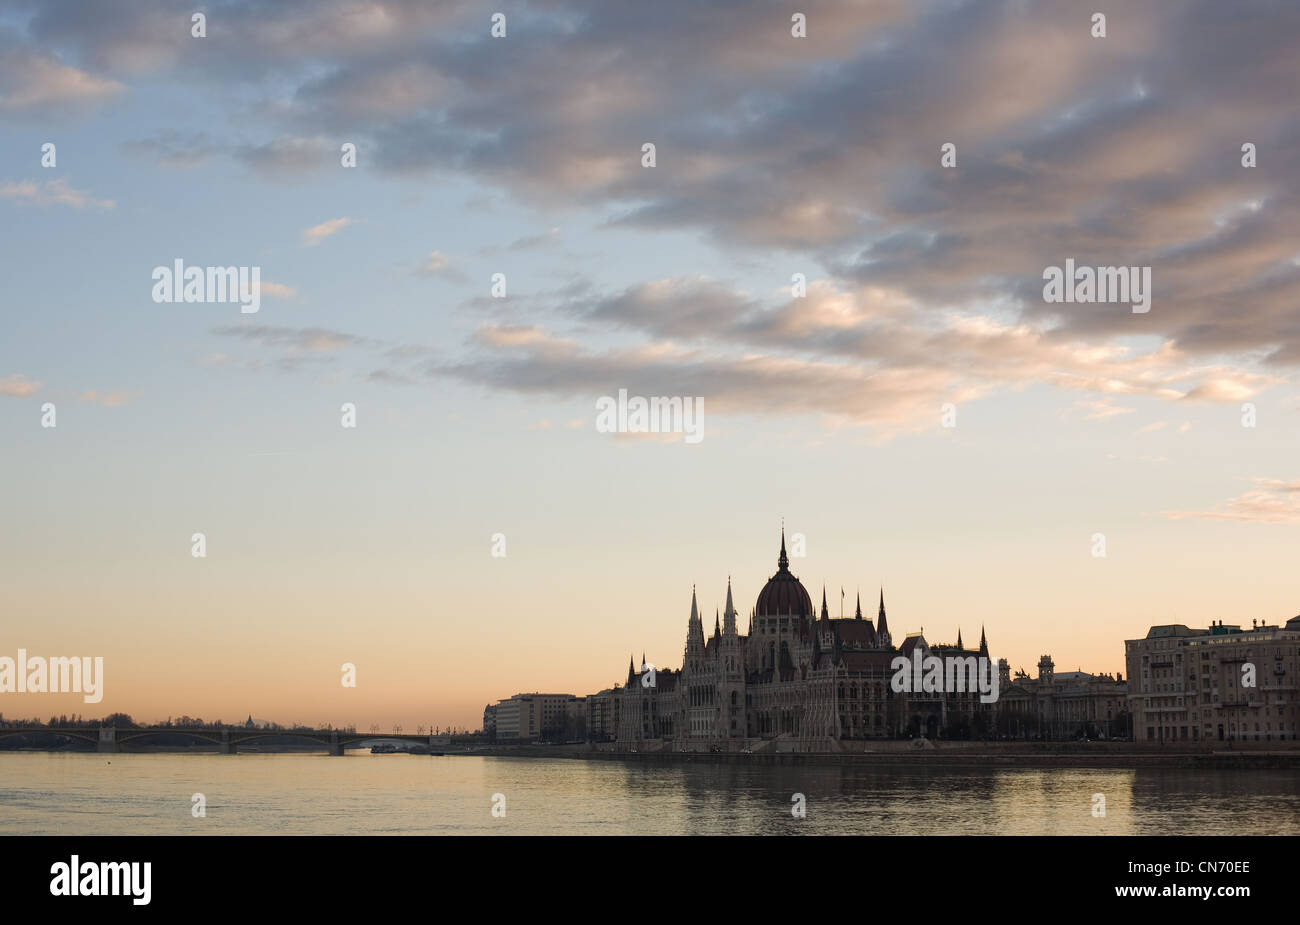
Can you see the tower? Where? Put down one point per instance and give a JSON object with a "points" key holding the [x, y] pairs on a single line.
{"points": [[883, 638], [731, 689], [825, 635], [694, 634]]}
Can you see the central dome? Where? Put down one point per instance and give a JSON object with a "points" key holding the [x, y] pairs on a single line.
{"points": [[783, 595]]}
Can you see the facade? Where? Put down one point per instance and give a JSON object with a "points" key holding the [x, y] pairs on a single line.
{"points": [[1063, 705], [575, 720], [1221, 684], [602, 714], [648, 705], [796, 680], [538, 717]]}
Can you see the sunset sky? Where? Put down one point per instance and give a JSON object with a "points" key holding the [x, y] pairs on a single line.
{"points": [[522, 156]]}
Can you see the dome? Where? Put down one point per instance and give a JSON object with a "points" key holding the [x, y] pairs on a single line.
{"points": [[783, 594]]}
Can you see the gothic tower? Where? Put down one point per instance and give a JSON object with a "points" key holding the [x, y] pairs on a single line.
{"points": [[731, 695], [883, 639]]}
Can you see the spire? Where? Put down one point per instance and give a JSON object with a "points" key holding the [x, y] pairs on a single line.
{"points": [[694, 629], [825, 614], [959, 637], [631, 667], [984, 643], [783, 561], [858, 614], [882, 626], [717, 628], [729, 615]]}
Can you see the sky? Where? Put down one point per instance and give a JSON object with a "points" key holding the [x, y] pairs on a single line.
{"points": [[1171, 433]]}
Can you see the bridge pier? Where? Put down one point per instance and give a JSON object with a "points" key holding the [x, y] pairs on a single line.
{"points": [[335, 746], [108, 740], [225, 746]]}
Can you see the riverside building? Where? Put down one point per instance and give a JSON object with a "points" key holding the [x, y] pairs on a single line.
{"points": [[795, 680], [1064, 705], [1225, 683]]}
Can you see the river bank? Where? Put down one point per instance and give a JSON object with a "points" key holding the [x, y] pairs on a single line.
{"points": [[956, 754]]}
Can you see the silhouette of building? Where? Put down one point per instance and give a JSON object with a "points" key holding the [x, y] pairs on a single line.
{"points": [[1063, 704], [538, 717], [796, 680], [1224, 683]]}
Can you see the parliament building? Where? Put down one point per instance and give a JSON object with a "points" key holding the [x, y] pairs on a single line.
{"points": [[796, 680]]}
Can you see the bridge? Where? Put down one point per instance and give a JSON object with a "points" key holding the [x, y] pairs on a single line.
{"points": [[227, 741]]}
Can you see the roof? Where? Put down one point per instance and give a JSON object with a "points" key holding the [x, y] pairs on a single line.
{"points": [[784, 594], [865, 661], [855, 632], [911, 642]]}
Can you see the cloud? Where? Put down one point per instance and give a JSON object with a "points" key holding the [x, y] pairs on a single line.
{"points": [[819, 155], [388, 377], [528, 360], [317, 233], [288, 156], [17, 385], [250, 40], [867, 357], [279, 290], [107, 399], [439, 264], [1102, 409], [33, 81], [175, 149], [686, 308], [1272, 501], [305, 340], [535, 241], [55, 192]]}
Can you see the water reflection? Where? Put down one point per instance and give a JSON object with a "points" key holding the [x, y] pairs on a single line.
{"points": [[310, 794]]}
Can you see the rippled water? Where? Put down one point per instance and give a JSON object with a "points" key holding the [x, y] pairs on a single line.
{"points": [[91, 794]]}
